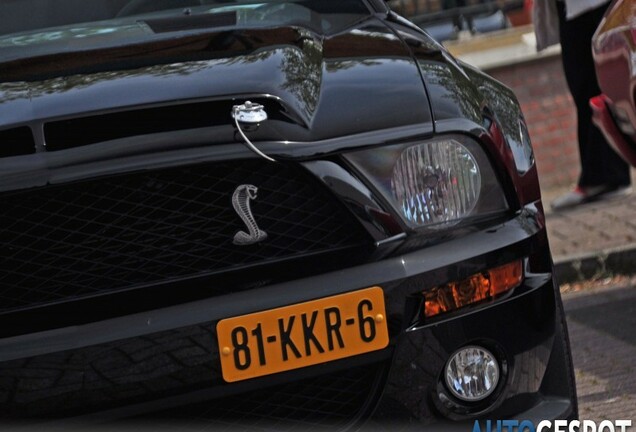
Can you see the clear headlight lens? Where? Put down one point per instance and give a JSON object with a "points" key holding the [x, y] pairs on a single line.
{"points": [[433, 184]]}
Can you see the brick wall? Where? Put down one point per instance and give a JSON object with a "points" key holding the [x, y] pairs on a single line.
{"points": [[550, 114]]}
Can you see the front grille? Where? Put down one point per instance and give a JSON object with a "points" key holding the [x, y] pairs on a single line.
{"points": [[16, 141], [64, 242], [107, 126], [328, 402]]}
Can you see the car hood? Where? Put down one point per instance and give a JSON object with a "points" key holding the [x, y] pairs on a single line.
{"points": [[318, 86]]}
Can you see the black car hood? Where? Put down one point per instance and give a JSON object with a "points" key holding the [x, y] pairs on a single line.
{"points": [[361, 80]]}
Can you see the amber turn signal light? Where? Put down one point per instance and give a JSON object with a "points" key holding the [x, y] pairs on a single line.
{"points": [[479, 287]]}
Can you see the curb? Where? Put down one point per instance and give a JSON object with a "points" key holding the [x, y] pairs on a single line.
{"points": [[607, 262]]}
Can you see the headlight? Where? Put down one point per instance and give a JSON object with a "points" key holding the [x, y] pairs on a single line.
{"points": [[433, 184]]}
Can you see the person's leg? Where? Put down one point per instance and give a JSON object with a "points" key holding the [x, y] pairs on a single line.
{"points": [[600, 165]]}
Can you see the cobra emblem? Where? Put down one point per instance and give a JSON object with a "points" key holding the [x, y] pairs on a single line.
{"points": [[241, 203]]}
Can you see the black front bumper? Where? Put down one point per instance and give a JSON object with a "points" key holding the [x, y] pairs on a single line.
{"points": [[165, 362]]}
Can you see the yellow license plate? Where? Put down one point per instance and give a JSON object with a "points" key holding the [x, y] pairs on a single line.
{"points": [[302, 335]]}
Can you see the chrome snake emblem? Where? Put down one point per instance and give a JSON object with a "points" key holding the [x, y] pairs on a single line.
{"points": [[241, 203]]}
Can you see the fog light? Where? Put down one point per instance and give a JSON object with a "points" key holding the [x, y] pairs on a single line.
{"points": [[472, 373]]}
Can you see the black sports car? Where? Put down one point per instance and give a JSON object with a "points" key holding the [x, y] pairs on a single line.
{"points": [[263, 214]]}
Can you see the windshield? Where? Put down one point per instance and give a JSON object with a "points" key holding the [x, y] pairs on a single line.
{"points": [[82, 18]]}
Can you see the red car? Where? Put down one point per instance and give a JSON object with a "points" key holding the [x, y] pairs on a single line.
{"points": [[614, 48]]}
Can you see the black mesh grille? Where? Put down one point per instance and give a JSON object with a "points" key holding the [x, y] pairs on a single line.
{"points": [[16, 141], [92, 237], [328, 402]]}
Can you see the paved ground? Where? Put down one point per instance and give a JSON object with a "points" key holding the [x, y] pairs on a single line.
{"points": [[595, 238], [591, 241], [602, 326]]}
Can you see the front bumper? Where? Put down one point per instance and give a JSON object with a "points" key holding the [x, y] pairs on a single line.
{"points": [[158, 363]]}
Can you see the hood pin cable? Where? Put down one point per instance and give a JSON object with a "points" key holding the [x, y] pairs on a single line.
{"points": [[251, 114]]}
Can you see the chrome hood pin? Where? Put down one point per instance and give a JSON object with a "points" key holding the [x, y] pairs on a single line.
{"points": [[251, 114]]}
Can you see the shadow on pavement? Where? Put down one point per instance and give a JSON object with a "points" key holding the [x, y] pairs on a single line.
{"points": [[602, 327], [616, 318]]}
